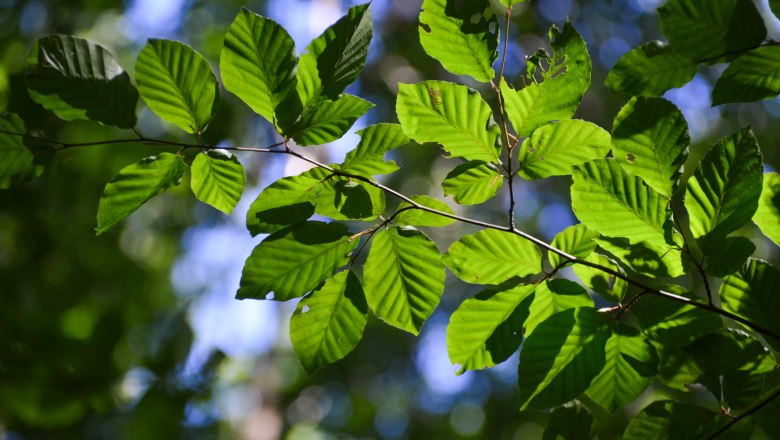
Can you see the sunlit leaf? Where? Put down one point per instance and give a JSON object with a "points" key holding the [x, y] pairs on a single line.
{"points": [[334, 60], [433, 111], [722, 195], [177, 84], [328, 323], [673, 323], [575, 240], [561, 357], [608, 200], [488, 327], [463, 37], [295, 260], [666, 419], [552, 149], [558, 97], [218, 179], [652, 259], [78, 79], [607, 285], [752, 294], [729, 256], [650, 140], [650, 70], [342, 198], [367, 159], [492, 257], [473, 182], [134, 185], [257, 64], [327, 120], [510, 3], [553, 296], [287, 201], [703, 29], [631, 365], [767, 216], [751, 77], [403, 277], [17, 160], [418, 217]]}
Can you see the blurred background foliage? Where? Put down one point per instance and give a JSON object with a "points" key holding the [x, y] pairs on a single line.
{"points": [[135, 334]]}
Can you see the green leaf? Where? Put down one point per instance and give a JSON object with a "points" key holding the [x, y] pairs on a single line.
{"points": [[650, 70], [774, 5], [473, 182], [287, 201], [555, 296], [752, 294], [418, 217], [334, 60], [488, 327], [650, 140], [433, 111], [571, 421], [575, 240], [767, 216], [510, 3], [677, 370], [177, 84], [218, 179], [651, 259], [558, 97], [729, 350], [134, 185], [78, 79], [258, 64], [672, 323], [561, 357], [751, 77], [17, 160], [704, 29], [666, 419], [729, 256], [492, 257], [610, 287], [463, 37], [327, 120], [295, 260], [552, 149], [722, 195], [608, 200], [367, 159], [740, 390], [328, 323], [341, 198], [631, 365], [403, 278]]}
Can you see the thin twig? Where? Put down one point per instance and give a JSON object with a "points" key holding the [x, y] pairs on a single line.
{"points": [[504, 128]]}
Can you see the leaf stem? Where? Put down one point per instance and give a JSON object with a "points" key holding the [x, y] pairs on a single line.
{"points": [[749, 412]]}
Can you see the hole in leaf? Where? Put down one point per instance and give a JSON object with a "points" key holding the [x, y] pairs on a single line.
{"points": [[270, 296], [305, 309], [630, 157]]}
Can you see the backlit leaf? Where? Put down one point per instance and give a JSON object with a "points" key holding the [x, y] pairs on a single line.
{"points": [[666, 419], [177, 84], [703, 29], [17, 161], [327, 120], [473, 182], [650, 70], [367, 159], [492, 257], [134, 185], [257, 64], [433, 111], [672, 323], [418, 217], [328, 323], [295, 260], [341, 198], [650, 140], [218, 179], [78, 79], [723, 193], [610, 287], [608, 200], [334, 60], [287, 201], [651, 259], [561, 357], [552, 149], [462, 36], [729, 256], [752, 294], [767, 216], [488, 327], [553, 296], [751, 77], [575, 240], [403, 278]]}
